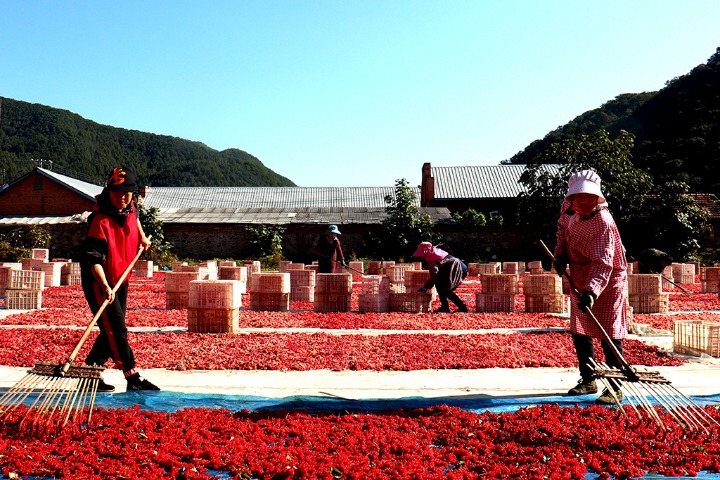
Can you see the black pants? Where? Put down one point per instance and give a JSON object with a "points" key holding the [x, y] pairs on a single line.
{"points": [[112, 341], [585, 350], [446, 295]]}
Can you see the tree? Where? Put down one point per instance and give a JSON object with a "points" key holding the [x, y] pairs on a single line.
{"points": [[671, 221], [160, 251], [266, 243], [469, 219], [404, 227], [624, 186]]}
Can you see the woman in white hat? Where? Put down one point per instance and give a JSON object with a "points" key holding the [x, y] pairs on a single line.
{"points": [[329, 251], [446, 274], [589, 242]]}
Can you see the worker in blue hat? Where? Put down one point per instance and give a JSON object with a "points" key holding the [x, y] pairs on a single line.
{"points": [[329, 251]]}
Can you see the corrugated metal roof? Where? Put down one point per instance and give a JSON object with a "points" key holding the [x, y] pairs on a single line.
{"points": [[270, 197], [286, 216], [83, 188], [23, 220], [479, 181]]}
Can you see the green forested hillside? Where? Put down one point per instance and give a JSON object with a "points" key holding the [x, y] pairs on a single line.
{"points": [[87, 150], [676, 130]]}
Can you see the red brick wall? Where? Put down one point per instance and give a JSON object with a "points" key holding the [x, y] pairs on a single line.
{"points": [[25, 198]]}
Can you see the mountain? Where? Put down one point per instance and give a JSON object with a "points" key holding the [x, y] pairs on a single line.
{"points": [[677, 129], [87, 150]]}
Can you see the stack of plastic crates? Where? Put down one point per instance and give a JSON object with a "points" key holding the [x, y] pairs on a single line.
{"points": [[213, 306]]}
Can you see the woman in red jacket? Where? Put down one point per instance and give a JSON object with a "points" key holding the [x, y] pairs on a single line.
{"points": [[113, 240]]}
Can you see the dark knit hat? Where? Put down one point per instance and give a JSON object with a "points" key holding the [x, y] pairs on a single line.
{"points": [[122, 179]]}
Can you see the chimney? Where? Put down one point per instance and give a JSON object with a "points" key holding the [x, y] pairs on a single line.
{"points": [[427, 187]]}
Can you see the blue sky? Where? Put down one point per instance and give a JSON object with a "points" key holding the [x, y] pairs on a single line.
{"points": [[348, 92]]}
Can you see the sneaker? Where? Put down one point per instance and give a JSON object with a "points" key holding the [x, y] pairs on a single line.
{"points": [[462, 309], [105, 387], [583, 388], [607, 398], [136, 383]]}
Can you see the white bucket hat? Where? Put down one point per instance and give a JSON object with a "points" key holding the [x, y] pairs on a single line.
{"points": [[586, 181]]}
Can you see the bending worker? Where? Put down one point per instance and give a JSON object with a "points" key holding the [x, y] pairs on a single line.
{"points": [[446, 274]]}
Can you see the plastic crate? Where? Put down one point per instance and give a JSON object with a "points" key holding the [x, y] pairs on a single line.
{"points": [[213, 320], [179, 281], [333, 283], [53, 273], [542, 284], [645, 283], [412, 302], [683, 272], [253, 266], [375, 285], [396, 273], [41, 253], [70, 268], [649, 302], [489, 268], [270, 282], [500, 283], [494, 302], [144, 268], [374, 268], [510, 268], [697, 337], [303, 294], [23, 299], [269, 301], [216, 294], [415, 279], [71, 279], [374, 302], [332, 302], [177, 300], [302, 278], [553, 303], [232, 272], [25, 280]]}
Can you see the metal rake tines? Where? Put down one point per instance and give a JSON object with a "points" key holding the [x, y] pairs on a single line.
{"points": [[58, 397], [641, 386]]}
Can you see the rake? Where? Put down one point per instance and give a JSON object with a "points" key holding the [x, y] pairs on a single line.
{"points": [[63, 391], [641, 384]]}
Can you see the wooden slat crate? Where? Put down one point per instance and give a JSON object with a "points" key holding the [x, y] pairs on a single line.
{"points": [[542, 284], [500, 283], [649, 302], [411, 302], [213, 320], [550, 303], [269, 301], [644, 283], [494, 302], [332, 302], [697, 337]]}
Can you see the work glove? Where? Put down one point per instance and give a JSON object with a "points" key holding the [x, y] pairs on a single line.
{"points": [[560, 263], [422, 289], [587, 300], [343, 263]]}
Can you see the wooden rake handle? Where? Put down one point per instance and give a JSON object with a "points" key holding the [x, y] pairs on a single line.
{"points": [[92, 323], [616, 352]]}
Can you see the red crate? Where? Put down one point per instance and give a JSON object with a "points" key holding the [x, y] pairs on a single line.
{"points": [[412, 302], [332, 302], [213, 320], [494, 302], [269, 301]]}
